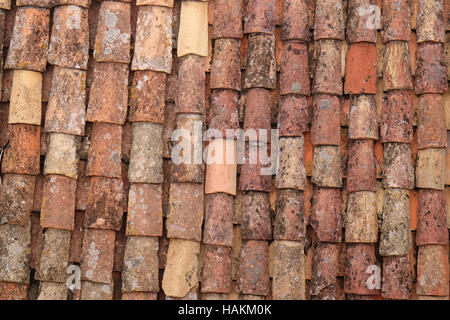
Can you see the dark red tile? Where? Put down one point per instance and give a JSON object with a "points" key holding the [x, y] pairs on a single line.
{"points": [[294, 24], [294, 75], [227, 19], [431, 222], [361, 68], [361, 166], [325, 124], [326, 217], [218, 227], [431, 73], [260, 16]]}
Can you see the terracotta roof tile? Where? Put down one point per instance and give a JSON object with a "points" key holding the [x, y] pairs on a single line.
{"points": [[256, 221], [396, 124], [432, 226], [35, 3], [360, 73], [5, 4], [431, 73], [227, 19], [397, 66], [325, 124], [361, 21], [58, 202], [36, 239], [329, 20], [289, 263], [226, 72], [395, 237], [327, 77], [430, 21], [224, 110], [290, 221], [326, 170], [141, 276], [253, 277], [69, 42], [397, 279], [108, 99], [250, 174], [430, 169], [293, 115], [105, 204], [431, 122], [294, 77], [218, 227], [29, 41], [432, 270], [291, 166], [324, 271], [261, 62], [153, 46], [361, 166], [22, 154], [326, 219], [76, 238], [359, 259], [25, 105], [396, 20], [362, 118], [216, 275], [191, 85], [294, 24], [139, 296], [66, 107], [16, 199], [80, 3], [398, 170], [14, 261], [260, 16], [95, 291], [54, 255], [361, 221], [193, 34], [13, 291]]}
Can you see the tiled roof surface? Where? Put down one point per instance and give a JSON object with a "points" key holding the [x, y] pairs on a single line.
{"points": [[92, 206]]}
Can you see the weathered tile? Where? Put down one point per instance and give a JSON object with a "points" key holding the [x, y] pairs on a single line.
{"points": [[22, 153], [104, 151], [294, 115], [361, 221], [430, 169], [260, 17], [139, 296], [361, 268], [326, 217], [216, 274], [326, 170], [256, 221], [29, 40], [16, 199], [147, 97], [62, 157], [253, 274], [431, 72], [291, 165], [397, 278], [362, 21], [13, 291], [361, 174], [153, 48], [395, 237], [186, 163], [227, 19], [327, 73], [146, 154], [181, 271], [186, 211], [288, 271], [396, 118], [69, 42], [105, 204], [363, 118], [397, 66], [193, 33], [54, 256], [432, 270], [141, 270], [79, 3], [6, 4], [226, 70], [112, 42], [58, 203], [430, 21], [191, 85], [261, 63], [325, 124], [329, 20], [163, 3], [52, 291], [67, 102], [431, 225], [15, 257], [431, 129], [224, 113], [398, 170], [257, 111], [290, 221], [221, 166], [108, 99], [98, 256], [294, 25], [324, 271], [218, 227], [396, 21], [26, 92], [96, 291], [294, 74], [361, 69]]}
